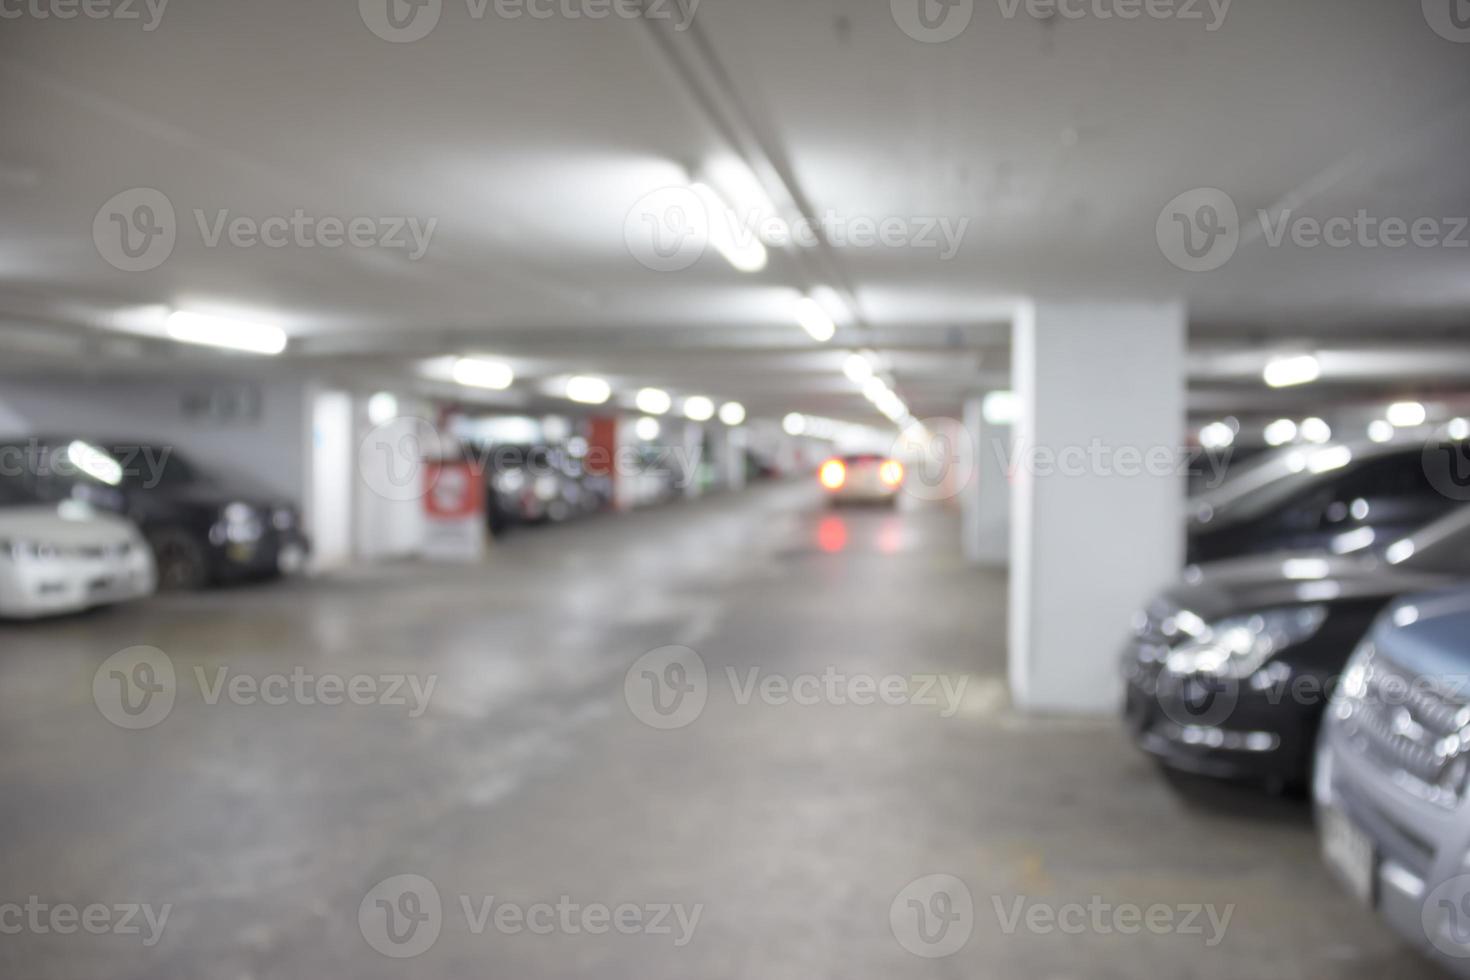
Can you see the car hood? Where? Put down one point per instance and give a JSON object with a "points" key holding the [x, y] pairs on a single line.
{"points": [[1285, 579], [70, 524], [1427, 634]]}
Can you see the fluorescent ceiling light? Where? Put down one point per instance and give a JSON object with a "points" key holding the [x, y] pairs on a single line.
{"points": [[1280, 432], [476, 372], [814, 320], [732, 413], [1406, 415], [794, 424], [94, 462], [698, 408], [874, 389], [588, 390], [999, 408], [1217, 435], [1315, 430], [654, 401], [728, 234], [1458, 429], [646, 428], [857, 368], [1305, 569], [1327, 460], [736, 183], [1381, 430], [1283, 372], [219, 331], [382, 408]]}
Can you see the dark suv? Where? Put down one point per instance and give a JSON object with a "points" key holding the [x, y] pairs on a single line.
{"points": [[1342, 498], [205, 526]]}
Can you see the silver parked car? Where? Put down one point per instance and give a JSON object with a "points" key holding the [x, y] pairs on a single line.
{"points": [[1393, 768]]}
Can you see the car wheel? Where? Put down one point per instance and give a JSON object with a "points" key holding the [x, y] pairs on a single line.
{"points": [[180, 560]]}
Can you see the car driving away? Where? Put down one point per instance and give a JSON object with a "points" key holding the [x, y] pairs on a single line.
{"points": [[861, 478], [65, 557]]}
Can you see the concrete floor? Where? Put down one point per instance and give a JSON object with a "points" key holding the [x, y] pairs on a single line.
{"points": [[794, 827]]}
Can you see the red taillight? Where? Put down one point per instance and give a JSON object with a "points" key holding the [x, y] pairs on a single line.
{"points": [[833, 474], [891, 472]]}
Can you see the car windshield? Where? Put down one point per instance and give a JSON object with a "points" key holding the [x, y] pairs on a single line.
{"points": [[1265, 484]]}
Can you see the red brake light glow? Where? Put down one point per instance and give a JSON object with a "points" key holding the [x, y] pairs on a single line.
{"points": [[833, 474]]}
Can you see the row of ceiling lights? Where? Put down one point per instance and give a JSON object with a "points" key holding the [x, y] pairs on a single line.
{"points": [[1399, 415]]}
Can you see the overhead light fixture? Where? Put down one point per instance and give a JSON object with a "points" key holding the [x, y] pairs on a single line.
{"points": [[94, 462], [225, 332], [646, 428], [1217, 435], [654, 401], [588, 390], [477, 372], [794, 424], [1280, 432], [1406, 415], [1380, 430], [382, 408], [1316, 431], [1283, 372], [814, 320], [999, 408], [737, 183], [874, 388], [732, 413], [858, 368], [739, 245], [1458, 429], [698, 408]]}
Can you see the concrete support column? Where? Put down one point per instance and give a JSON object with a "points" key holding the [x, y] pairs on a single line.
{"points": [[985, 502], [1097, 490]]}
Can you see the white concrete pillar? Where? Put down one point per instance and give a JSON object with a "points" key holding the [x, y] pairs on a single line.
{"points": [[985, 502], [1097, 490]]}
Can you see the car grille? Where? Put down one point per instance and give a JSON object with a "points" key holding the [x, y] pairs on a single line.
{"points": [[1410, 726]]}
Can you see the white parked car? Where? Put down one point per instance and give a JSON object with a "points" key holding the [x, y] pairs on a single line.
{"points": [[66, 557]]}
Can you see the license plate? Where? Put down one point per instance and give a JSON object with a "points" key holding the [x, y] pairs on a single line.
{"points": [[1349, 852]]}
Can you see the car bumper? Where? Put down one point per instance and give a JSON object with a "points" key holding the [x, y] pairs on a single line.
{"points": [[1417, 852], [1241, 734], [280, 553], [31, 590]]}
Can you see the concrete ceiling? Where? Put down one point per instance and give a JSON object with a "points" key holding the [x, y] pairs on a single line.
{"points": [[1058, 141]]}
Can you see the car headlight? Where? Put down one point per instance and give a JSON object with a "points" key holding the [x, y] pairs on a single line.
{"points": [[510, 481], [17, 549], [546, 487], [1239, 646], [238, 524]]}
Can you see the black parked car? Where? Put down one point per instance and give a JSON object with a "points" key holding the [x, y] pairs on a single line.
{"points": [[536, 484], [1342, 498], [205, 527], [1228, 673]]}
